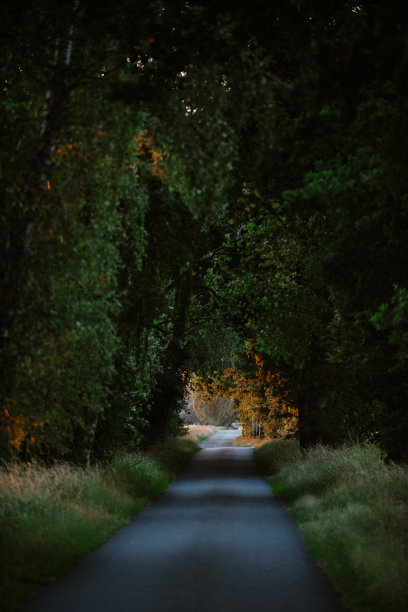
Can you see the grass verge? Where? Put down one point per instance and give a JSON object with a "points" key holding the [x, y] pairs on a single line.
{"points": [[352, 509], [249, 441], [198, 433], [51, 517]]}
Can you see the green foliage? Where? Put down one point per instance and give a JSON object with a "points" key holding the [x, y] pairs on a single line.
{"points": [[64, 332], [273, 456], [393, 317], [212, 348], [177, 181]]}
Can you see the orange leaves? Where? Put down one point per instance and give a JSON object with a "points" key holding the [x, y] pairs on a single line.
{"points": [[143, 142], [13, 425], [47, 233], [132, 168], [64, 149], [259, 395], [147, 153]]}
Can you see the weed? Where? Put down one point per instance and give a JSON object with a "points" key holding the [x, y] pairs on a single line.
{"points": [[274, 455]]}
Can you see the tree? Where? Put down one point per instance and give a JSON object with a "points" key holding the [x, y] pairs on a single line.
{"points": [[163, 179], [262, 401]]}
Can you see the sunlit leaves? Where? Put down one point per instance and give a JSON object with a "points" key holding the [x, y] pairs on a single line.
{"points": [[260, 397]]}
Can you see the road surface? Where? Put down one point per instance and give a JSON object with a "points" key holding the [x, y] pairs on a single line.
{"points": [[216, 541]]}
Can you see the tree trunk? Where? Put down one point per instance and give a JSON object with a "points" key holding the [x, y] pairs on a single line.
{"points": [[167, 396], [89, 438]]}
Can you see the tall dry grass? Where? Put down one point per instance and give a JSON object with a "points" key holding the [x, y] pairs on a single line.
{"points": [[353, 511], [198, 433], [51, 517]]}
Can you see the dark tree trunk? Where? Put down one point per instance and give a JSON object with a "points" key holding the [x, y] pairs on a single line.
{"points": [[168, 393]]}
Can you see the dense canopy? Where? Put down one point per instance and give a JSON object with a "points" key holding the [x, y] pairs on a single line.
{"points": [[216, 189]]}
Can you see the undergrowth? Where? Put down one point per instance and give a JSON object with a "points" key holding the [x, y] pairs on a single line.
{"points": [[51, 517], [352, 509]]}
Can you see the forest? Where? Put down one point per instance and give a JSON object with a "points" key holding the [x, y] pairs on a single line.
{"points": [[202, 191]]}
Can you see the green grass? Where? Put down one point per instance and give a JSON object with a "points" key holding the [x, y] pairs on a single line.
{"points": [[51, 517], [352, 509]]}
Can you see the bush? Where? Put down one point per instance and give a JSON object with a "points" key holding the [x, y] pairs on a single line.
{"points": [[218, 411], [275, 455]]}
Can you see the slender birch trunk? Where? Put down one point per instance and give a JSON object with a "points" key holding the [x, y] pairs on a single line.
{"points": [[89, 439]]}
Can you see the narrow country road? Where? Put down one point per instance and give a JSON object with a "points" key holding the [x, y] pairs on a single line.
{"points": [[216, 541]]}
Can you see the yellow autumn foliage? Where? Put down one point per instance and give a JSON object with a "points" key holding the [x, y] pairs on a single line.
{"points": [[146, 150], [260, 398]]}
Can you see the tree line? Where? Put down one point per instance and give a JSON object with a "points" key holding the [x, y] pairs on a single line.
{"points": [[182, 181]]}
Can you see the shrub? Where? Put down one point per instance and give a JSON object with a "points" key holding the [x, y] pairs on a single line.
{"points": [[218, 411], [277, 454]]}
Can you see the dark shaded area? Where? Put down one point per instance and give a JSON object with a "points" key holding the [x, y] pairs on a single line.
{"points": [[169, 169]]}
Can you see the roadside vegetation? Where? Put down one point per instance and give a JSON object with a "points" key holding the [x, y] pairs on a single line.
{"points": [[251, 441], [50, 517], [352, 509], [209, 198], [198, 433]]}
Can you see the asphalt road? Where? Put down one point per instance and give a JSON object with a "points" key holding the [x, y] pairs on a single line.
{"points": [[216, 541]]}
